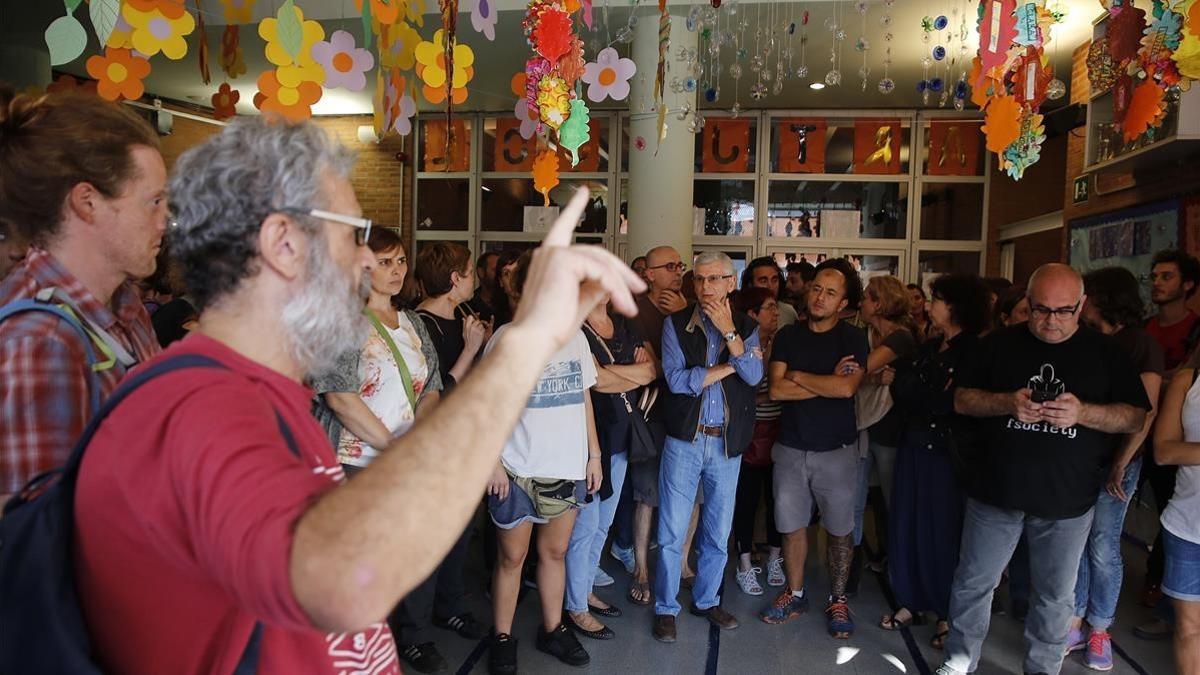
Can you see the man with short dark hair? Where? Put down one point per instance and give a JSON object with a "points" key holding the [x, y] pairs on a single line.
{"points": [[764, 273], [639, 265], [1054, 401], [816, 368], [488, 294]]}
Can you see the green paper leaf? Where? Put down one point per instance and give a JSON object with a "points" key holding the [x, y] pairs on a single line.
{"points": [[104, 18], [366, 20], [291, 33], [66, 40], [72, 5]]}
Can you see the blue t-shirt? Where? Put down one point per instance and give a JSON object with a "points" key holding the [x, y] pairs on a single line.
{"points": [[818, 424]]}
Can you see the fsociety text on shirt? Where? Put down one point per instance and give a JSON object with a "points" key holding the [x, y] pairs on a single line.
{"points": [[1044, 427]]}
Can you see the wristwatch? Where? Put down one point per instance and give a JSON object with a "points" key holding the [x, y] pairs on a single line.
{"points": [[730, 336]]}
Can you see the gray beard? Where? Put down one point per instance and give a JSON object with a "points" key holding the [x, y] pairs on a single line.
{"points": [[325, 319]]}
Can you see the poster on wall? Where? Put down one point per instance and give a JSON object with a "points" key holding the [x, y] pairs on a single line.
{"points": [[877, 146], [1127, 238], [436, 158], [954, 148], [513, 153], [801, 145], [725, 147]]}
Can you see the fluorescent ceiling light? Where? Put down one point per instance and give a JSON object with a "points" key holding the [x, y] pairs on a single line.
{"points": [[817, 86]]}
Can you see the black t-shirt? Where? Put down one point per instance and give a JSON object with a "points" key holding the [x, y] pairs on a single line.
{"points": [[818, 424], [447, 336], [887, 430], [1145, 352], [1036, 468]]}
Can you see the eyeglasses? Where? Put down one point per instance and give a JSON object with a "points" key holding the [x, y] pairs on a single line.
{"points": [[671, 267], [712, 278], [1042, 311], [363, 224]]}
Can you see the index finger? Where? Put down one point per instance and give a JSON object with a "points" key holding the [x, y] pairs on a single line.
{"points": [[564, 226]]}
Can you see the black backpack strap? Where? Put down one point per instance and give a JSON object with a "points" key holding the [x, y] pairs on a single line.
{"points": [[248, 664]]}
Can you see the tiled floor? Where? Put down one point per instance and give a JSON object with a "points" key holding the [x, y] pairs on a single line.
{"points": [[801, 646]]}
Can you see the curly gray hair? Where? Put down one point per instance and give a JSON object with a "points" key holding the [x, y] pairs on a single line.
{"points": [[222, 189]]}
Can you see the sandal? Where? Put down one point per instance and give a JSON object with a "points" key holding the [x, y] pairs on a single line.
{"points": [[890, 622], [688, 582], [639, 593], [938, 641]]}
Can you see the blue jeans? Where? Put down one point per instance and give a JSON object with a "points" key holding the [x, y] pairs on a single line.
{"points": [[883, 459], [1101, 568], [989, 536], [587, 538], [685, 467]]}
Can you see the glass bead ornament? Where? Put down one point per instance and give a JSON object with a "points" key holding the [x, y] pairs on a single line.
{"points": [[759, 91], [839, 35], [1056, 89], [742, 53], [624, 35], [766, 74], [689, 84], [887, 85], [682, 54], [736, 110], [941, 22], [802, 72], [927, 23], [833, 78], [696, 125], [732, 8], [885, 20], [777, 88], [735, 71], [791, 28], [862, 45], [684, 111], [756, 63], [633, 19], [676, 86], [936, 84], [939, 53], [710, 95]]}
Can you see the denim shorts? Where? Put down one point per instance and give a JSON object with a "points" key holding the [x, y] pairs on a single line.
{"points": [[1181, 577], [519, 506]]}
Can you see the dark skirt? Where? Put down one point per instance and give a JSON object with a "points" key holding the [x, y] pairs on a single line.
{"points": [[925, 527]]}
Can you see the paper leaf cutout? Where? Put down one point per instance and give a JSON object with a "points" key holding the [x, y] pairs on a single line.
{"points": [[104, 15], [72, 5], [1030, 79], [574, 132], [552, 36], [571, 65], [608, 76], [1102, 70], [1026, 150], [554, 101], [545, 174], [366, 24], [1002, 123], [1124, 33], [996, 32], [1028, 33], [290, 32], [1187, 57], [1146, 109], [483, 18], [66, 40]]}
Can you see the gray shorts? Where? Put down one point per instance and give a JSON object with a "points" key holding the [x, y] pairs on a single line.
{"points": [[828, 480]]}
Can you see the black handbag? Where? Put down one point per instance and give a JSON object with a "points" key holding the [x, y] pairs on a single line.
{"points": [[643, 442]]}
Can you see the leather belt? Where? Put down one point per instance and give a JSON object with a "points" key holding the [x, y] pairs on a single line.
{"points": [[716, 432]]}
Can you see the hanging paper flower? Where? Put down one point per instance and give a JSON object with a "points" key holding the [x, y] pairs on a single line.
{"points": [[571, 65], [554, 101], [232, 60], [277, 53], [224, 102], [118, 74], [552, 35], [1146, 109], [404, 107], [608, 76], [415, 12], [238, 11], [293, 103], [121, 36], [431, 68], [1002, 123], [399, 48], [384, 11], [545, 174], [171, 9], [1027, 149], [483, 18], [345, 65], [156, 31], [535, 69], [527, 117]]}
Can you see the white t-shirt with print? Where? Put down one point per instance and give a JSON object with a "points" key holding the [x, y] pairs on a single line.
{"points": [[382, 388], [550, 440]]}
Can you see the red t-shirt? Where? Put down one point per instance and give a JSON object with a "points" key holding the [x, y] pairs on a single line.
{"points": [[1173, 338], [185, 510]]}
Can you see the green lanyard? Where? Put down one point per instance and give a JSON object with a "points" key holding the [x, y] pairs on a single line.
{"points": [[405, 376]]}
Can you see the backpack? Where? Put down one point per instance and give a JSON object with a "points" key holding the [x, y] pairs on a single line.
{"points": [[42, 629]]}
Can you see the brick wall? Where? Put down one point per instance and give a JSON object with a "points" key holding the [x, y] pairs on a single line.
{"points": [[377, 175]]}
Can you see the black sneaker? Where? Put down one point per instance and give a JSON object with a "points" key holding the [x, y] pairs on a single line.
{"points": [[424, 658], [464, 624], [562, 645], [502, 655]]}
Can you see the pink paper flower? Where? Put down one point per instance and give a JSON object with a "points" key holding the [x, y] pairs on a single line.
{"points": [[345, 65], [608, 76], [483, 18]]}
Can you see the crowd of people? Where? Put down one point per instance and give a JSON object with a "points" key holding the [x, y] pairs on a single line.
{"points": [[307, 488]]}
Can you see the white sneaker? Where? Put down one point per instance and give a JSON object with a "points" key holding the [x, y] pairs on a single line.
{"points": [[602, 579], [775, 575], [748, 581], [624, 555]]}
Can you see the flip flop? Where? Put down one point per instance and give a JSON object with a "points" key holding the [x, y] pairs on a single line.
{"points": [[642, 588], [890, 622]]}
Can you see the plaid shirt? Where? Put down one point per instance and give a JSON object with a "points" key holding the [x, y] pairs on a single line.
{"points": [[44, 383]]}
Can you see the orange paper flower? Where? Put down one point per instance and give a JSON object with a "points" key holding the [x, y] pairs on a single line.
{"points": [[293, 103], [384, 11], [225, 102], [1002, 124], [171, 9], [1146, 109], [66, 83], [118, 74]]}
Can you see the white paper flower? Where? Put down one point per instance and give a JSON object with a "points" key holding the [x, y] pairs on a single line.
{"points": [[608, 76], [528, 118], [483, 18]]}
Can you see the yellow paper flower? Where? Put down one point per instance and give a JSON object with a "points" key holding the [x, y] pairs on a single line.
{"points": [[432, 56], [306, 71], [400, 48], [153, 32], [268, 30], [415, 12], [238, 11]]}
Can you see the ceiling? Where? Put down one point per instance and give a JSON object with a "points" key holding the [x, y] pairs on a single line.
{"points": [[22, 24]]}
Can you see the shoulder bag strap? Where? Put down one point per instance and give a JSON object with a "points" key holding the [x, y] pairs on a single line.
{"points": [[405, 375], [21, 306]]}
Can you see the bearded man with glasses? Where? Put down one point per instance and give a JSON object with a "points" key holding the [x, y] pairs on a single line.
{"points": [[1054, 401]]}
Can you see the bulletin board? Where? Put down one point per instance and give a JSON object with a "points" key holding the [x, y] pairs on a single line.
{"points": [[1127, 238]]}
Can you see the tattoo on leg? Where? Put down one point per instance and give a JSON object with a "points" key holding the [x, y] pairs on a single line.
{"points": [[840, 554]]}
